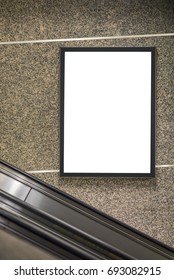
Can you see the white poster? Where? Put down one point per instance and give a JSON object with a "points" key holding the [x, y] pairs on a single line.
{"points": [[107, 112]]}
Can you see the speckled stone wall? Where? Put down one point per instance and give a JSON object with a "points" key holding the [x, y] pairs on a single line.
{"points": [[30, 88], [48, 19]]}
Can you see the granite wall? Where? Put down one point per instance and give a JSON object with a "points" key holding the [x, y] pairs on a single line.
{"points": [[29, 84]]}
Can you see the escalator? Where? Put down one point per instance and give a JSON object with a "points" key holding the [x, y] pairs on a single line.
{"points": [[46, 223]]}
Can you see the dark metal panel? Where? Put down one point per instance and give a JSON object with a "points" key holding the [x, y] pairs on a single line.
{"points": [[91, 227], [41, 234], [13, 187], [19, 229], [25, 248]]}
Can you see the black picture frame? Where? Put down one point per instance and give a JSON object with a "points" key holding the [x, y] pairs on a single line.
{"points": [[89, 75]]}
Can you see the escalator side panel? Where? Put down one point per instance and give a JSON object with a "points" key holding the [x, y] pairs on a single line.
{"points": [[24, 249], [86, 222], [13, 187], [91, 227]]}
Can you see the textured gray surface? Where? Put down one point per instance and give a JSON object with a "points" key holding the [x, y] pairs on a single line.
{"points": [[29, 99], [29, 85], [45, 19]]}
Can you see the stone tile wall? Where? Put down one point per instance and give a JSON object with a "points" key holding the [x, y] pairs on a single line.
{"points": [[30, 92]]}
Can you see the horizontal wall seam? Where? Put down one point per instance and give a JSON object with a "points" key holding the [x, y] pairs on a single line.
{"points": [[57, 171], [164, 165], [44, 171], [87, 39]]}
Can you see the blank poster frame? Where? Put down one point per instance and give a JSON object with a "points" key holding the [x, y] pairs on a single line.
{"points": [[107, 112]]}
